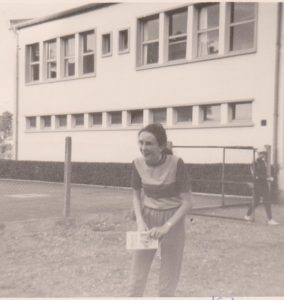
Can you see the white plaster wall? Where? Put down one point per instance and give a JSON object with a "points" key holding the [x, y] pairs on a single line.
{"points": [[118, 85]]}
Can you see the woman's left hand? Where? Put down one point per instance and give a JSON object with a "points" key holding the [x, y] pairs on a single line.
{"points": [[158, 232]]}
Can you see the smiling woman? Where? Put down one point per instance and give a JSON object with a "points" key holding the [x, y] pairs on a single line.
{"points": [[160, 209]]}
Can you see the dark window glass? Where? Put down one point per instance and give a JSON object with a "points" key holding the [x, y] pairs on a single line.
{"points": [[184, 114], [97, 118], [123, 40], [88, 64], [242, 12], [116, 117], [159, 115], [136, 117]]}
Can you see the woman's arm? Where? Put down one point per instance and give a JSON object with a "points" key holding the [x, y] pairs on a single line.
{"points": [[141, 225], [159, 232]]}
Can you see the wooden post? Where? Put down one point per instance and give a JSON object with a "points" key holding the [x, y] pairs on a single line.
{"points": [[67, 176]]}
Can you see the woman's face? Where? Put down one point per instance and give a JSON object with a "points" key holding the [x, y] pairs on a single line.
{"points": [[149, 147]]}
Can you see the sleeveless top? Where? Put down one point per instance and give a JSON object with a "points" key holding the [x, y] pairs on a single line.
{"points": [[162, 183]]}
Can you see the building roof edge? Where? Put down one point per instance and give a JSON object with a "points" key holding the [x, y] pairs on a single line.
{"points": [[64, 14]]}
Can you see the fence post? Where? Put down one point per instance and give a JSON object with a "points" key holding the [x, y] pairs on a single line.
{"points": [[67, 176], [223, 176], [253, 189]]}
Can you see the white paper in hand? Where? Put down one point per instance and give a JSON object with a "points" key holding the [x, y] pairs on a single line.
{"points": [[139, 240]]}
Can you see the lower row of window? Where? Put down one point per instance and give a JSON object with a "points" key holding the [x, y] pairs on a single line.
{"points": [[182, 115]]}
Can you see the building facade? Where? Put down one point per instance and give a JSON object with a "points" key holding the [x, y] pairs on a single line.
{"points": [[210, 72]]}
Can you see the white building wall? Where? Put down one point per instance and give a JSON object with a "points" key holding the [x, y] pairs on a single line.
{"points": [[118, 85]]}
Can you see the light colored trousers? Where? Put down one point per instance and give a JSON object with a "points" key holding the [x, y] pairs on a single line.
{"points": [[172, 246]]}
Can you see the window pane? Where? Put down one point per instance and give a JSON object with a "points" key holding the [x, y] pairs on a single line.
{"points": [[69, 67], [241, 111], [208, 16], [34, 52], [62, 121], [88, 42], [242, 36], [211, 113], [151, 29], [78, 119], [46, 121], [51, 50], [178, 23], [159, 115], [242, 12], [177, 49], [69, 47], [208, 43], [31, 122], [151, 53], [116, 117], [184, 114], [88, 64], [123, 40], [106, 43], [34, 72], [136, 117], [51, 70], [97, 118]]}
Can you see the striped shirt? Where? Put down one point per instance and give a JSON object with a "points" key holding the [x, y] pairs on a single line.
{"points": [[162, 184]]}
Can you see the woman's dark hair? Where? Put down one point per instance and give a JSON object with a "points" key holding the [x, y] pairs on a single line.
{"points": [[159, 133]]}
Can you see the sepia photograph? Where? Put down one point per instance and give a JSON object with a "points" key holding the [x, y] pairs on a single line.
{"points": [[141, 149]]}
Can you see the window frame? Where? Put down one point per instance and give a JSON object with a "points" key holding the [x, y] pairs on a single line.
{"points": [[91, 119], [29, 121], [203, 108], [43, 123], [230, 25], [109, 118], [130, 123], [207, 30], [83, 54], [67, 58], [104, 35], [127, 49], [48, 61], [142, 43], [74, 120], [175, 116], [57, 121], [30, 64], [152, 115], [232, 107], [185, 35]]}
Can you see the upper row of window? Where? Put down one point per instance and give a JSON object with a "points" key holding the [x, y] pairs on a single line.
{"points": [[190, 32]]}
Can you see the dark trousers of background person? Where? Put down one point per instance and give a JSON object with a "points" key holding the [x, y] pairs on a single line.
{"points": [[261, 189], [172, 246]]}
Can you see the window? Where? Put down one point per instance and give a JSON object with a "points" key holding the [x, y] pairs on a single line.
{"points": [[159, 115], [50, 59], [61, 121], [123, 41], [242, 26], [207, 29], [240, 111], [31, 122], [115, 118], [45, 121], [177, 34], [68, 56], [183, 114], [150, 40], [33, 63], [96, 119], [87, 40], [78, 120], [211, 113], [136, 117], [106, 44]]}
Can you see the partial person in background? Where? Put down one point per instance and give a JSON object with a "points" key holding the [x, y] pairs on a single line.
{"points": [[161, 200], [261, 188]]}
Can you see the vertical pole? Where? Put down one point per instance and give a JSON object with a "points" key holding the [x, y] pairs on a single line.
{"points": [[268, 166], [67, 176], [223, 176], [253, 188]]}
